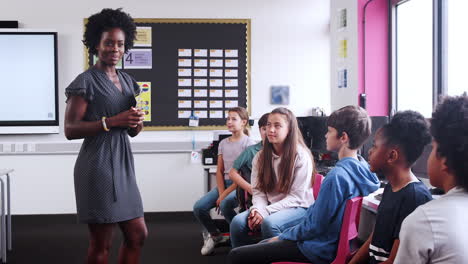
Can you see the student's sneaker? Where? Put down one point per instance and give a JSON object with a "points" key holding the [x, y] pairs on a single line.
{"points": [[210, 243]]}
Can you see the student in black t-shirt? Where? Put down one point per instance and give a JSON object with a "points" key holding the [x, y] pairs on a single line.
{"points": [[396, 147]]}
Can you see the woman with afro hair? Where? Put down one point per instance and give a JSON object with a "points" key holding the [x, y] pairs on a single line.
{"points": [[101, 109]]}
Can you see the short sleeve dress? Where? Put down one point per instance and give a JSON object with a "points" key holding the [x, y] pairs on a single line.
{"points": [[104, 174]]}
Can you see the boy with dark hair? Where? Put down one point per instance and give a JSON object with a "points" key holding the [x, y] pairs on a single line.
{"points": [[397, 145], [242, 167], [315, 238], [437, 232]]}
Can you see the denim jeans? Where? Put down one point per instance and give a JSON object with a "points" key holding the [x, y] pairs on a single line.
{"points": [[272, 225], [202, 208]]}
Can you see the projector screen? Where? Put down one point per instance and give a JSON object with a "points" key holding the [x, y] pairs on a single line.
{"points": [[28, 82]]}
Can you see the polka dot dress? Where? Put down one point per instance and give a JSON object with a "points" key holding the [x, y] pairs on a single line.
{"points": [[104, 174]]}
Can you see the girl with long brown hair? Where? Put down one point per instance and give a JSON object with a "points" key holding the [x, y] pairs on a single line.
{"points": [[281, 181]]}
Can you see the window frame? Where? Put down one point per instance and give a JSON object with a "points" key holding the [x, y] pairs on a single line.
{"points": [[439, 51]]}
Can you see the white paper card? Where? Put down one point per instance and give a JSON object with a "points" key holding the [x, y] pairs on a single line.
{"points": [[226, 114], [216, 93], [200, 63], [200, 83], [231, 53], [201, 53], [185, 52], [231, 93], [185, 82], [185, 63], [216, 114], [185, 104], [200, 93], [185, 72], [216, 104], [216, 63], [230, 73], [232, 63], [216, 82], [231, 82], [185, 93], [200, 104], [201, 114], [193, 122], [200, 72], [216, 53], [184, 114], [216, 73], [230, 104]]}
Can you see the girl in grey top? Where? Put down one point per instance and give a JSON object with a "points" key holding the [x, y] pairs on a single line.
{"points": [[100, 109], [223, 197]]}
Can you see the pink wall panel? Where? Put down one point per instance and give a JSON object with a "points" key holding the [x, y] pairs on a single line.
{"points": [[376, 51]]}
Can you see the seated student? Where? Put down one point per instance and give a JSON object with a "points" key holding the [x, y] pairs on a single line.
{"points": [[223, 197], [396, 147], [437, 232], [281, 181], [243, 164], [315, 238]]}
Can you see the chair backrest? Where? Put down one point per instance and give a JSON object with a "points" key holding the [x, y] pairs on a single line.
{"points": [[349, 229], [317, 183]]}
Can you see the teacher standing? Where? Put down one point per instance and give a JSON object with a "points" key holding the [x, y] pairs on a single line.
{"points": [[101, 109]]}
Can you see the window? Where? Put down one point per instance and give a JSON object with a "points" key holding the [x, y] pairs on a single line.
{"points": [[457, 47], [414, 61]]}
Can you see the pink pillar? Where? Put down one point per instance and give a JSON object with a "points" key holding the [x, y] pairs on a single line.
{"points": [[376, 51]]}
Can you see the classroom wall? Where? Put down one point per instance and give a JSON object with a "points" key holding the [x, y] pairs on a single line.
{"points": [[340, 97], [290, 46], [376, 68]]}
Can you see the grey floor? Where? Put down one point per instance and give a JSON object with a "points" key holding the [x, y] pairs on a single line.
{"points": [[173, 238]]}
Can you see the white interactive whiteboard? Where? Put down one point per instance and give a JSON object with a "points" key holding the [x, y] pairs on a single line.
{"points": [[28, 82]]}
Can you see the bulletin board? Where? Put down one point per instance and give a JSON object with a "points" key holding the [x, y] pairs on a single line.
{"points": [[185, 66]]}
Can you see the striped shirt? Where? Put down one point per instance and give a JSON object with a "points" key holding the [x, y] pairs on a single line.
{"points": [[393, 209]]}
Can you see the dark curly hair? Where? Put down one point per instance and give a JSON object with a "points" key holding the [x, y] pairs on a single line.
{"points": [[105, 20], [354, 121], [408, 130], [449, 127]]}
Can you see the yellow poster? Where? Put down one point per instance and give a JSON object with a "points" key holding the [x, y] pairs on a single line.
{"points": [[144, 99], [143, 37], [343, 51]]}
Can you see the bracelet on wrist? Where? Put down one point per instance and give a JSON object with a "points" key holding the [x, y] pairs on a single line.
{"points": [[104, 125]]}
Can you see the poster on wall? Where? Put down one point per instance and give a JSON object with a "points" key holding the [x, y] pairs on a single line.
{"points": [[343, 48], [143, 37], [342, 78], [342, 18], [144, 100]]}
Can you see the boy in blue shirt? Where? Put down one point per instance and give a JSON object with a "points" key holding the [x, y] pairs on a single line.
{"points": [[396, 147], [315, 238]]}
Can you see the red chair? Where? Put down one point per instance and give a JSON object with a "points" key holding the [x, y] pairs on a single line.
{"points": [[349, 231], [317, 184]]}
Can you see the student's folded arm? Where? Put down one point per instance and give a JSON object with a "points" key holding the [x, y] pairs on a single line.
{"points": [[302, 179], [319, 214], [416, 239], [259, 198]]}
